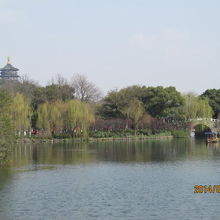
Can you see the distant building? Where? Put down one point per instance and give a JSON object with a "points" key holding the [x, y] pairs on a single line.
{"points": [[9, 72]]}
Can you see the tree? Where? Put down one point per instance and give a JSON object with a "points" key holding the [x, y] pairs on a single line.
{"points": [[21, 113], [158, 101], [55, 115], [57, 92], [26, 86], [43, 117], [195, 107], [78, 115], [85, 90], [213, 96], [163, 102], [58, 80], [39, 97], [9, 86], [52, 93], [49, 116], [134, 111], [6, 125], [23, 86], [112, 105], [59, 89], [64, 116]]}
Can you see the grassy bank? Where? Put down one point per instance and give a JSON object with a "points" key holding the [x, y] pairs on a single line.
{"points": [[77, 140], [105, 136], [89, 139]]}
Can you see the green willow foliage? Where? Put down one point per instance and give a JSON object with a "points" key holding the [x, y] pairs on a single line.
{"points": [[134, 111], [6, 126], [21, 113], [64, 116], [195, 107], [43, 116], [78, 114]]}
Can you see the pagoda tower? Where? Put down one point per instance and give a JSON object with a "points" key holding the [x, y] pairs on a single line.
{"points": [[9, 72]]}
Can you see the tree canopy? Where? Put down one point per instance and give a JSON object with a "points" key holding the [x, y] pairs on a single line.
{"points": [[63, 106], [195, 107], [157, 101], [6, 125], [213, 96], [21, 113], [69, 115], [162, 102]]}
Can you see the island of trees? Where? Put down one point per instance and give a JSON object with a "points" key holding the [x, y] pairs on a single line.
{"points": [[76, 108]]}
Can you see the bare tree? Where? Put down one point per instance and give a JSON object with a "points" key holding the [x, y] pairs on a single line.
{"points": [[85, 90], [58, 80], [23, 85], [27, 86]]}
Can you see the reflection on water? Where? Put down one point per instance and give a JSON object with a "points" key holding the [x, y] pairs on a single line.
{"points": [[110, 180], [132, 151]]}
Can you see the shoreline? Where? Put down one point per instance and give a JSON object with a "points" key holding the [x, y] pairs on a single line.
{"points": [[89, 139]]}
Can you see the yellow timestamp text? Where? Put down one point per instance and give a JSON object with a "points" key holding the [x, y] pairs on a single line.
{"points": [[207, 189]]}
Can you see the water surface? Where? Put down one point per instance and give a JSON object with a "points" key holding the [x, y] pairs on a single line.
{"points": [[111, 180]]}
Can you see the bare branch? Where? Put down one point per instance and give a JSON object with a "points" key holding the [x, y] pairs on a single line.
{"points": [[85, 90]]}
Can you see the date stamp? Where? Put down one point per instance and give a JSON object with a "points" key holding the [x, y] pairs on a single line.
{"points": [[207, 189]]}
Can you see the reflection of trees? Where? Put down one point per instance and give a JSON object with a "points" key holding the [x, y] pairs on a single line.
{"points": [[214, 148], [150, 150], [5, 177], [51, 154], [121, 151]]}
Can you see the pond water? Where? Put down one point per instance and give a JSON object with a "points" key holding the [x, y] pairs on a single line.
{"points": [[133, 180]]}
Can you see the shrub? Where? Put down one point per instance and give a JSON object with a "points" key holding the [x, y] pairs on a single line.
{"points": [[180, 133]]}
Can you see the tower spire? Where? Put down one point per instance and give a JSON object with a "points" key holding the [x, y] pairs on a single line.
{"points": [[9, 60]]}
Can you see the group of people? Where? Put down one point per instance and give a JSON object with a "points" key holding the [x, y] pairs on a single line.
{"points": [[29, 132], [75, 132]]}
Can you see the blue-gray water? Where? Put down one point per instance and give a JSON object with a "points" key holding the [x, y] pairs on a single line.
{"points": [[135, 180]]}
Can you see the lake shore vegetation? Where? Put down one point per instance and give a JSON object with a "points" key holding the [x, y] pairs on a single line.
{"points": [[76, 108]]}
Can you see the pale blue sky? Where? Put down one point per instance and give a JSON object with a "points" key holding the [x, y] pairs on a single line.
{"points": [[115, 43]]}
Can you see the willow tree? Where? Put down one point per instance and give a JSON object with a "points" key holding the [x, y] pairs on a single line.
{"points": [[78, 115], [43, 117], [6, 126], [134, 111], [71, 114], [55, 115], [65, 116], [86, 116], [21, 113], [195, 107]]}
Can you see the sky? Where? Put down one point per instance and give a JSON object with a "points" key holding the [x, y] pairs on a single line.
{"points": [[115, 43]]}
